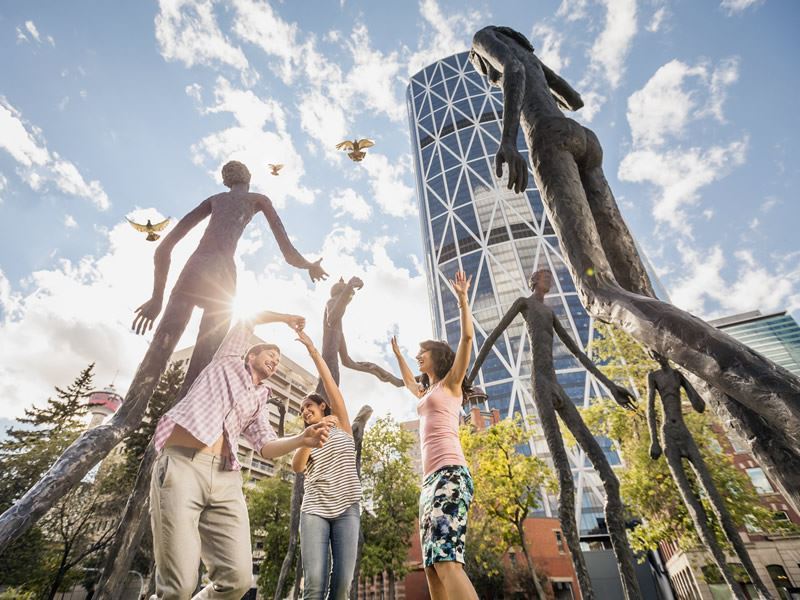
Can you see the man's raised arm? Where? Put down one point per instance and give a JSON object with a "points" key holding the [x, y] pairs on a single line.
{"points": [[290, 253], [146, 314], [515, 309]]}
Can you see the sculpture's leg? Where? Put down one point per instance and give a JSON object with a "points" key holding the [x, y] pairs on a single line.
{"points": [[566, 490], [93, 445], [294, 529], [725, 520], [614, 509], [618, 244], [700, 519], [213, 327], [761, 385]]}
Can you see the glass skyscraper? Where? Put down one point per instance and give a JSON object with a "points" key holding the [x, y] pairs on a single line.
{"points": [[471, 221], [776, 336]]}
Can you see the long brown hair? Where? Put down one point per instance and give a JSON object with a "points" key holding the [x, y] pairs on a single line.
{"points": [[443, 358], [319, 401]]}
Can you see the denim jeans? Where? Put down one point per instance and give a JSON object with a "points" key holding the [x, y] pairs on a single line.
{"points": [[320, 538]]}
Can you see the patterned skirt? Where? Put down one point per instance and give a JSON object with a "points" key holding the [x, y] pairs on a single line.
{"points": [[443, 506]]}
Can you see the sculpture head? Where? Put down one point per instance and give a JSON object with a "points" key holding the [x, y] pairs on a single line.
{"points": [[338, 287], [541, 280], [313, 409], [483, 66], [434, 360], [662, 361], [263, 360], [234, 172]]}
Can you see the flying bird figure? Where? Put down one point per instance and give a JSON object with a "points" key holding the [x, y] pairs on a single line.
{"points": [[355, 148], [149, 228], [274, 168]]}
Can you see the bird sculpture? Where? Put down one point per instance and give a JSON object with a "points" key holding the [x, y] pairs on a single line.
{"points": [[274, 169], [355, 148], [149, 228]]}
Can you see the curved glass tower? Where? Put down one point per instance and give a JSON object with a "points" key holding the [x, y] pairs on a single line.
{"points": [[470, 220]]}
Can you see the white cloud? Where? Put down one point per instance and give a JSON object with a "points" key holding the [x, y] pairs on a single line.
{"points": [[572, 10], [187, 31], [348, 201], [38, 166], [657, 19], [29, 31], [737, 6], [769, 203], [679, 174], [547, 41], [387, 182], [3, 184], [449, 32], [611, 48], [31, 27], [709, 279], [259, 137], [70, 222]]}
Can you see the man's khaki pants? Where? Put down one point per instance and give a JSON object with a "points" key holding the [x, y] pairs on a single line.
{"points": [[198, 511]]}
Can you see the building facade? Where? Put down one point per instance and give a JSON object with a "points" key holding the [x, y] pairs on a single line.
{"points": [[470, 221], [775, 335]]}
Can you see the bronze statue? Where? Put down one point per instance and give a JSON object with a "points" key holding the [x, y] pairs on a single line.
{"points": [[550, 398], [677, 444], [207, 281], [599, 251]]}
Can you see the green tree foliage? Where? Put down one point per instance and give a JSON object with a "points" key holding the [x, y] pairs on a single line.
{"points": [[646, 486], [508, 485], [269, 505], [391, 493], [484, 554]]}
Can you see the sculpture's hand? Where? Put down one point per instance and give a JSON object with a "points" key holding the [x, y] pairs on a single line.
{"points": [[355, 283], [517, 169], [316, 272], [655, 450], [146, 315], [623, 397]]}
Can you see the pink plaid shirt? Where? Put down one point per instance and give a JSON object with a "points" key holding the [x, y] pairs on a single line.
{"points": [[223, 401]]}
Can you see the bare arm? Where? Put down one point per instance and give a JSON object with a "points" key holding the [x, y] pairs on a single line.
{"points": [[491, 47], [408, 377], [652, 417], [455, 376], [300, 459], [313, 436], [335, 398], [695, 399], [516, 308], [622, 396], [566, 97], [146, 314], [290, 253]]}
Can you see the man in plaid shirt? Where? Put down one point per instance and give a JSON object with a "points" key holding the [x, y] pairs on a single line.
{"points": [[197, 508]]}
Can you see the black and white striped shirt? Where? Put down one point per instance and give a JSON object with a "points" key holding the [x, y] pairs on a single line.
{"points": [[332, 484]]}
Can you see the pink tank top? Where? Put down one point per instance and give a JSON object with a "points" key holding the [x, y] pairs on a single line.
{"points": [[439, 413]]}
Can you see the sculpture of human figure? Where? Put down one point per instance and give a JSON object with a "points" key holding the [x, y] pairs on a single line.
{"points": [[677, 444], [333, 341], [208, 281], [599, 251], [551, 399]]}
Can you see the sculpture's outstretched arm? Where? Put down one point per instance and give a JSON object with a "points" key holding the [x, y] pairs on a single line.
{"points": [[652, 417], [516, 308], [563, 92], [623, 397], [367, 367], [695, 399], [290, 253]]}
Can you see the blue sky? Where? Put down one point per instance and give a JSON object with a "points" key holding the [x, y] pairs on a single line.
{"points": [[116, 109]]}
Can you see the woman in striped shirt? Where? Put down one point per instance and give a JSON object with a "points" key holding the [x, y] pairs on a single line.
{"points": [[330, 516]]}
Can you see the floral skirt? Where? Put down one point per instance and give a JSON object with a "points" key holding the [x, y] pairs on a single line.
{"points": [[443, 505]]}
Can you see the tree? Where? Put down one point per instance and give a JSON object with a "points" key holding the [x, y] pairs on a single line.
{"points": [[508, 483], [391, 494], [269, 505], [646, 485], [484, 554]]}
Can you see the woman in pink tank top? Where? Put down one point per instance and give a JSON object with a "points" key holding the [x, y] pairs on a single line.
{"points": [[447, 485]]}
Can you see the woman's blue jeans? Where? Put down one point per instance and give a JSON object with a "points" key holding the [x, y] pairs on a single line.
{"points": [[321, 538]]}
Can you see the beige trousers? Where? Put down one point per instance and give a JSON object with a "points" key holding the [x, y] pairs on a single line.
{"points": [[198, 512]]}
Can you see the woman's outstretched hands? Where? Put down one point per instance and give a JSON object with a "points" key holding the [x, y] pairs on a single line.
{"points": [[395, 346], [461, 284], [303, 338]]}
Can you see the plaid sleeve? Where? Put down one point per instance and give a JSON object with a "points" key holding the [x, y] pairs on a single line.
{"points": [[236, 342], [259, 431]]}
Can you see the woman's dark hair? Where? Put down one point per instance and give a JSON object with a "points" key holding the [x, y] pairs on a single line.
{"points": [[443, 357], [318, 400]]}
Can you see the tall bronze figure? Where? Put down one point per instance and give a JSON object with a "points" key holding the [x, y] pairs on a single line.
{"points": [[598, 249], [551, 399], [208, 281], [677, 444]]}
